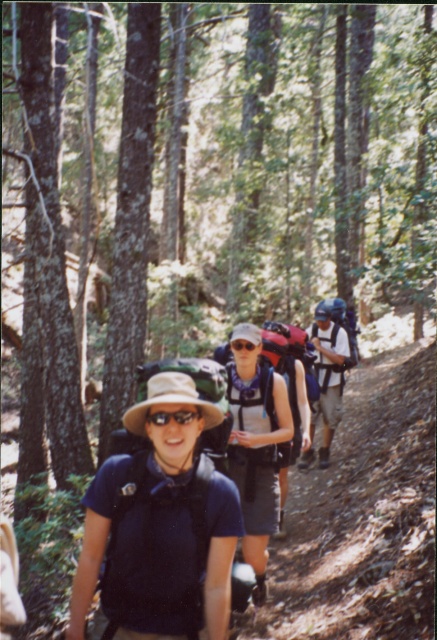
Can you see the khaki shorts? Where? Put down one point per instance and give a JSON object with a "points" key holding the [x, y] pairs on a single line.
{"points": [[100, 622], [329, 409]]}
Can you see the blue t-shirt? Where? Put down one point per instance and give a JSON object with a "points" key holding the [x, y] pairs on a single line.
{"points": [[163, 569]]}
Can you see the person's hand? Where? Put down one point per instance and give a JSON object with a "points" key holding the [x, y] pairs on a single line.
{"points": [[245, 439], [316, 342], [306, 442], [233, 438]]}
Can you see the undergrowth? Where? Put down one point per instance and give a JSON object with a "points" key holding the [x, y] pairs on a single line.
{"points": [[49, 539]]}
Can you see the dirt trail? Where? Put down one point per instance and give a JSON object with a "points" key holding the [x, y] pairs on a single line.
{"points": [[345, 570]]}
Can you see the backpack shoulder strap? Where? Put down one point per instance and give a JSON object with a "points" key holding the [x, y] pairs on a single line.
{"points": [[197, 504], [290, 368], [334, 334], [128, 493], [266, 389]]}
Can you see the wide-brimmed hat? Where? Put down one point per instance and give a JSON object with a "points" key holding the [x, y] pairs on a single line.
{"points": [[247, 331], [170, 388]]}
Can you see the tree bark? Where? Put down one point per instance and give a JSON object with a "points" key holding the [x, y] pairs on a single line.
{"points": [[89, 210], [421, 207], [315, 79], [69, 447], [128, 307], [172, 242], [340, 180], [33, 463], [260, 74], [361, 53], [61, 57]]}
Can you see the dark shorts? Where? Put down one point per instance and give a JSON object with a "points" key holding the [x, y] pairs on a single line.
{"points": [[261, 517], [285, 457]]}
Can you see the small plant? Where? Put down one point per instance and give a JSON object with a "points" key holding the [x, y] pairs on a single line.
{"points": [[48, 540]]}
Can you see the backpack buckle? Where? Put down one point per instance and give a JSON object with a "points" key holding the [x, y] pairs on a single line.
{"points": [[129, 489]]}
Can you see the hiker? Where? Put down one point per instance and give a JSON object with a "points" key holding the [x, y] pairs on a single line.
{"points": [[252, 448], [301, 413], [153, 586], [328, 410]]}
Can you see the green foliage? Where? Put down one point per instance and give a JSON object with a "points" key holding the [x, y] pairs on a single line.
{"points": [[198, 328], [49, 540]]}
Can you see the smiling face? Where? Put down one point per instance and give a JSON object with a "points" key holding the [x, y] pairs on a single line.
{"points": [[174, 443]]}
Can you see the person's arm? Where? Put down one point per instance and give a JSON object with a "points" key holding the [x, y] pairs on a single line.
{"points": [[94, 544], [335, 358], [303, 405], [218, 587], [285, 432]]}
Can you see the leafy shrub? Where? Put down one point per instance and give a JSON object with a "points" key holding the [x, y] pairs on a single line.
{"points": [[49, 541]]}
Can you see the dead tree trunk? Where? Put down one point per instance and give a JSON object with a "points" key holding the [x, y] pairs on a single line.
{"points": [[90, 206], [61, 57]]}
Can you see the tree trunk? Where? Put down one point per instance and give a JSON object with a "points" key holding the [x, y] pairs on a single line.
{"points": [[421, 212], [33, 461], [315, 79], [260, 74], [128, 307], [341, 218], [61, 57], [89, 210], [361, 53], [69, 447], [172, 243]]}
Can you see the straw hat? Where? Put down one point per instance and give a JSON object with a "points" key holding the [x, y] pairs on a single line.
{"points": [[170, 388]]}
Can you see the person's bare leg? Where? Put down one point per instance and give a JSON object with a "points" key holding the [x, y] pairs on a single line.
{"points": [[256, 554]]}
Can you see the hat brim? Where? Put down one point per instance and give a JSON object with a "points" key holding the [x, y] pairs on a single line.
{"points": [[243, 336], [135, 418], [321, 318]]}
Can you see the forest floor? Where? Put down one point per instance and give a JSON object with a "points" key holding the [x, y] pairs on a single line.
{"points": [[359, 558]]}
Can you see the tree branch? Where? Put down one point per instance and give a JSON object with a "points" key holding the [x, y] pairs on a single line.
{"points": [[25, 158], [402, 226]]}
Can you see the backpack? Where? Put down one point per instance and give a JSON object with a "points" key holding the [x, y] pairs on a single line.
{"points": [[210, 378], [299, 347], [194, 494], [282, 345], [344, 318]]}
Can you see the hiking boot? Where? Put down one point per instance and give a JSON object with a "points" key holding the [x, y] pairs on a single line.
{"points": [[260, 593], [282, 533], [323, 458], [306, 459]]}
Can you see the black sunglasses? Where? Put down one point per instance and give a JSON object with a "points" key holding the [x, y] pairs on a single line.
{"points": [[238, 346], [162, 418]]}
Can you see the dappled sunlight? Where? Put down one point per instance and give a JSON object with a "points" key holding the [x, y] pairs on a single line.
{"points": [[336, 564]]}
